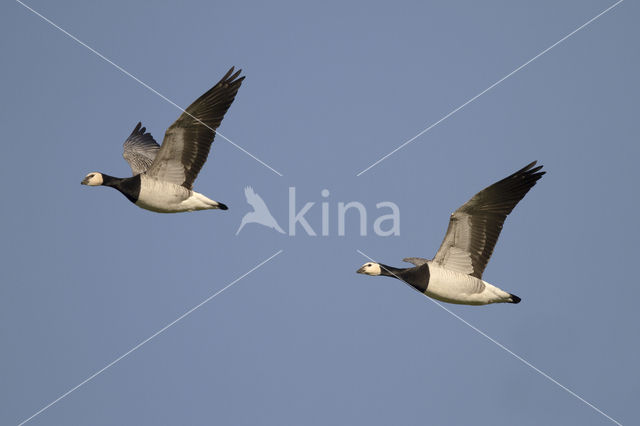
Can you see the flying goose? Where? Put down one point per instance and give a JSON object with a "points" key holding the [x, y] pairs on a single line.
{"points": [[163, 175], [454, 275]]}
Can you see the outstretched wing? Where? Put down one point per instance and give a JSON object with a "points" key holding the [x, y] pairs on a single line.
{"points": [[474, 228], [140, 149], [187, 142]]}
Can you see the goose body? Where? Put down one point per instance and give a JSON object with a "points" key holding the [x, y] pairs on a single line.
{"points": [[163, 176], [455, 287], [166, 197], [443, 284], [454, 275]]}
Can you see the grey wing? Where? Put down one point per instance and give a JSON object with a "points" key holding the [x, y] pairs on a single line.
{"points": [[415, 260], [140, 149], [187, 142], [475, 227]]}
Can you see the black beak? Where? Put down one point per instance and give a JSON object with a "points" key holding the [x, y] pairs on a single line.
{"points": [[360, 271], [85, 181]]}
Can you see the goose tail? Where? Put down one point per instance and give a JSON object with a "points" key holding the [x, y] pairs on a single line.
{"points": [[513, 299]]}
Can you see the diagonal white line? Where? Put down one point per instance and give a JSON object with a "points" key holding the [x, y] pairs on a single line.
{"points": [[491, 87], [128, 74], [136, 347], [501, 346]]}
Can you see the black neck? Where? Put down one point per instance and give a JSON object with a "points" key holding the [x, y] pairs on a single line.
{"points": [[417, 277], [111, 181], [390, 271], [129, 187]]}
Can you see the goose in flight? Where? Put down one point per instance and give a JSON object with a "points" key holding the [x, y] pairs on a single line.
{"points": [[260, 213], [454, 275], [163, 176]]}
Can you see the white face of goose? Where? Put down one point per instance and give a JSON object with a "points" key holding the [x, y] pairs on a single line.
{"points": [[370, 268], [92, 179]]}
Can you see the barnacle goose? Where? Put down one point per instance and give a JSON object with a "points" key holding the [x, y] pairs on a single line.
{"points": [[454, 275], [163, 175]]}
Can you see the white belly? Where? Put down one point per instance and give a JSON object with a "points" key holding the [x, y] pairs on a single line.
{"points": [[456, 287], [165, 197]]}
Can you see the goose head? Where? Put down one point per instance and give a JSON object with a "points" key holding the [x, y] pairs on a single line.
{"points": [[370, 268], [93, 179]]}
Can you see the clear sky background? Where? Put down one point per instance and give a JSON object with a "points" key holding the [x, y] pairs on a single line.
{"points": [[331, 87]]}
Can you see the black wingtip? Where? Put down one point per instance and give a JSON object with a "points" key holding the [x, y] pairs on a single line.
{"points": [[514, 298], [529, 168], [222, 206], [137, 129], [230, 76]]}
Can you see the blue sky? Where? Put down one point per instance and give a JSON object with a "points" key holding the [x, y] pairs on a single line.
{"points": [[330, 88]]}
